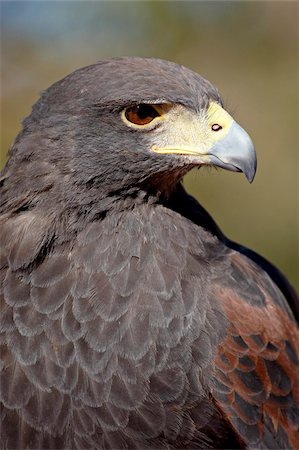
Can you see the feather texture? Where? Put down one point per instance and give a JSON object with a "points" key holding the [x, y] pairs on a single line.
{"points": [[96, 350]]}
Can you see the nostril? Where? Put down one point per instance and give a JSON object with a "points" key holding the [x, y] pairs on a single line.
{"points": [[216, 127]]}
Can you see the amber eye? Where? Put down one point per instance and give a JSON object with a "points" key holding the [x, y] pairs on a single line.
{"points": [[216, 127], [141, 114]]}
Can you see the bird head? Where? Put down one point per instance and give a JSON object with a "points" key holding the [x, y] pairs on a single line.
{"points": [[126, 125]]}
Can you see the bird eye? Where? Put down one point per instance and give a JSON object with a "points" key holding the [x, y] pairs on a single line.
{"points": [[216, 127], [141, 114]]}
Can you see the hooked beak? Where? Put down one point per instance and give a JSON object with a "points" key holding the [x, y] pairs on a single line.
{"points": [[235, 152]]}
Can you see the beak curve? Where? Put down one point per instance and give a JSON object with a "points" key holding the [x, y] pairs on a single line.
{"points": [[235, 152]]}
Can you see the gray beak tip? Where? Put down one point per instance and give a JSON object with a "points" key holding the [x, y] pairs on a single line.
{"points": [[250, 170], [235, 152]]}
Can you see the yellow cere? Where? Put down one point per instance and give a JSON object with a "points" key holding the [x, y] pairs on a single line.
{"points": [[188, 133], [217, 115]]}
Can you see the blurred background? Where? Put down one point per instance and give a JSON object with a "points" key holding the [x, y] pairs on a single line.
{"points": [[249, 50]]}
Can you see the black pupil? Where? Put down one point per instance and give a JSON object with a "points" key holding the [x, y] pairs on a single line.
{"points": [[145, 111]]}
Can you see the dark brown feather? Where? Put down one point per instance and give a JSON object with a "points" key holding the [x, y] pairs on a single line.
{"points": [[109, 352], [257, 365]]}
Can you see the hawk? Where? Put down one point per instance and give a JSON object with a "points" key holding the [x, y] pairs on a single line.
{"points": [[128, 320]]}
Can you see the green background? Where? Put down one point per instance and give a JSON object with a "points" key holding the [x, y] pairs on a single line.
{"points": [[249, 50]]}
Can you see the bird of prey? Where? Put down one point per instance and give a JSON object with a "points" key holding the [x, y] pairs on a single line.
{"points": [[128, 320]]}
